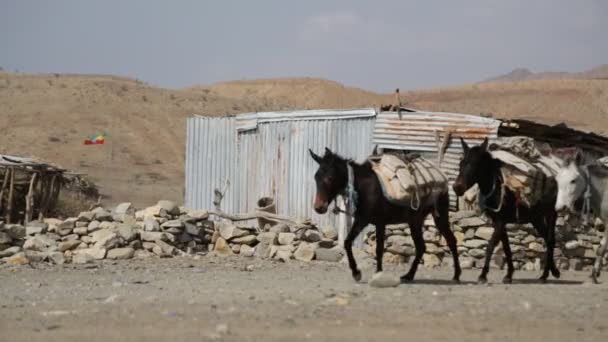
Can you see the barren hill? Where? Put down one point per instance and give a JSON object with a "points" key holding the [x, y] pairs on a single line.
{"points": [[49, 116], [523, 74]]}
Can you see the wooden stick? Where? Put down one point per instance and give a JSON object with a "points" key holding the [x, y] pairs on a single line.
{"points": [[9, 207], [4, 183], [29, 200], [257, 215]]}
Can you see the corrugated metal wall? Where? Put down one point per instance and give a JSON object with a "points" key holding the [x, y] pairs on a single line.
{"points": [[211, 158], [270, 160], [417, 131]]}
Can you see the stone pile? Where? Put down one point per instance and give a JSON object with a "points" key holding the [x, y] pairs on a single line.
{"points": [[166, 230], [575, 248]]}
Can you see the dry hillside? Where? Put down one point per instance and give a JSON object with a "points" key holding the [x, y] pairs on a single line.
{"points": [[49, 116]]}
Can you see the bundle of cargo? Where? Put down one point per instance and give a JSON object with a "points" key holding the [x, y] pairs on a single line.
{"points": [[527, 172], [407, 180]]}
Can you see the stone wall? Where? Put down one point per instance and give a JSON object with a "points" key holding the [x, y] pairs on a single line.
{"points": [[166, 230]]}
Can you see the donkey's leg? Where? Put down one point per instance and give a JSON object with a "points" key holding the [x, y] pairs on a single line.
{"points": [[415, 224], [601, 252], [541, 228], [499, 230], [380, 234], [506, 247], [348, 246], [551, 219], [442, 221]]}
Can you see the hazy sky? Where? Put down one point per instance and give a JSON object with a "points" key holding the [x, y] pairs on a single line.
{"points": [[378, 45]]}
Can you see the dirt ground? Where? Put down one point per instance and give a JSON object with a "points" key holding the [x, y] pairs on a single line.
{"points": [[212, 298]]}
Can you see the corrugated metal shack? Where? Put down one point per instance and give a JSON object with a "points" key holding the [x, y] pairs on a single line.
{"points": [[266, 154]]}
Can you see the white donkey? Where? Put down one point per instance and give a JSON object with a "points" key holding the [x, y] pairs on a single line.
{"points": [[582, 189]]}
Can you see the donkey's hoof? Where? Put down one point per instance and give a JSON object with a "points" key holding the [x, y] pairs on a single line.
{"points": [[555, 272], [594, 276], [543, 279], [482, 280], [507, 280], [408, 278], [357, 275]]}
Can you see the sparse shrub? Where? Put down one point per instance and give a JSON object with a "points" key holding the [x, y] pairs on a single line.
{"points": [[144, 98], [54, 139], [172, 96]]}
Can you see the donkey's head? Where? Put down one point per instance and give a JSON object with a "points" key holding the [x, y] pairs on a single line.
{"points": [[331, 178], [571, 183], [473, 166]]}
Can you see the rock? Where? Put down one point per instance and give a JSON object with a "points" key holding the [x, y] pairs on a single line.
{"points": [[268, 238], [283, 255], [236, 248], [80, 224], [305, 252], [400, 240], [68, 245], [198, 214], [151, 225], [477, 253], [383, 280], [100, 214], [86, 216], [467, 263], [127, 232], [474, 221], [121, 253], [38, 243], [476, 243], [286, 238], [15, 231], [459, 238], [81, 258], [326, 243], [93, 226], [576, 264], [401, 250], [430, 236], [10, 251], [17, 259], [135, 244], [570, 245], [169, 206], [262, 250], [279, 228], [154, 211], [484, 233], [96, 253], [312, 235], [34, 228], [222, 247], [124, 208], [246, 240], [105, 238], [70, 223], [536, 247], [329, 233], [5, 239], [194, 230], [57, 258], [142, 253], [469, 234], [432, 248], [247, 251], [229, 231], [81, 231], [529, 266], [172, 224], [328, 254], [153, 236], [462, 214], [431, 260]]}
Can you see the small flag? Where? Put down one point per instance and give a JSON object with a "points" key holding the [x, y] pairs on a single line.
{"points": [[95, 140]]}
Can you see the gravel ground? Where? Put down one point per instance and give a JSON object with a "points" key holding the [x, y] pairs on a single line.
{"points": [[238, 299]]}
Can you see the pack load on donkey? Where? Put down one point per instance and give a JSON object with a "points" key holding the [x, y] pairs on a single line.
{"points": [[526, 171], [405, 180]]}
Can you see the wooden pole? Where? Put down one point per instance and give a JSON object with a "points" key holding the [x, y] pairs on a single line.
{"points": [[46, 198], [4, 183], [9, 206], [29, 199]]}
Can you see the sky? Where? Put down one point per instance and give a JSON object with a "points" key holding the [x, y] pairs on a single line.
{"points": [[376, 45]]}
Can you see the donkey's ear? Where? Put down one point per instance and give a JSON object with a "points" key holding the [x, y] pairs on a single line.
{"points": [[465, 147], [578, 158], [328, 151], [315, 157], [484, 144]]}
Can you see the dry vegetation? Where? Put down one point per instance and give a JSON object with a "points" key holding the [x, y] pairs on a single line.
{"points": [[49, 116]]}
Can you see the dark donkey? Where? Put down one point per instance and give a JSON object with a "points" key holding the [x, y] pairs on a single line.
{"points": [[332, 179], [500, 204]]}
